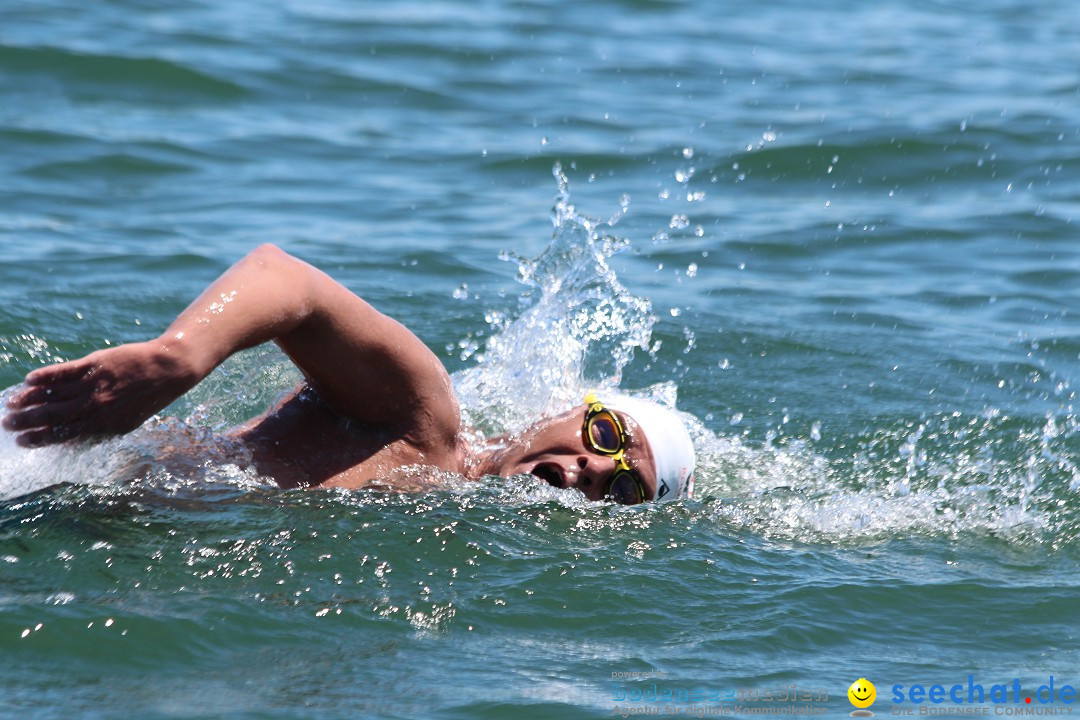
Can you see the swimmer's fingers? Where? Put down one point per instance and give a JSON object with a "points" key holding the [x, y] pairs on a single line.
{"points": [[48, 424], [60, 373], [46, 408], [40, 416], [52, 383], [45, 436], [41, 394]]}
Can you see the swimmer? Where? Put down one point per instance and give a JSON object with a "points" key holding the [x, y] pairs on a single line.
{"points": [[374, 398]]}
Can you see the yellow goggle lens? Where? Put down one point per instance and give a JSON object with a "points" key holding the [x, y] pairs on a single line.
{"points": [[604, 433]]}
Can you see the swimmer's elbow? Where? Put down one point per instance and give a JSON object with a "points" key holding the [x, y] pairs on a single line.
{"points": [[283, 273], [269, 254]]}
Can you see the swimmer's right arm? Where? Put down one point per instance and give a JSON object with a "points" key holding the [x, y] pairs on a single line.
{"points": [[362, 363]]}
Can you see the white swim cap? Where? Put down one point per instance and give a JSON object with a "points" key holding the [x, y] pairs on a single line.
{"points": [[672, 448]]}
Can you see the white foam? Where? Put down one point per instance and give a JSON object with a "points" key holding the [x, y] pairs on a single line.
{"points": [[27, 470], [169, 455]]}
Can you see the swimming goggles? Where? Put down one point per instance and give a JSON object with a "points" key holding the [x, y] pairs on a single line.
{"points": [[603, 433]]}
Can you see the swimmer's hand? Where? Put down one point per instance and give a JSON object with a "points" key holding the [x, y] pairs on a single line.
{"points": [[108, 392]]}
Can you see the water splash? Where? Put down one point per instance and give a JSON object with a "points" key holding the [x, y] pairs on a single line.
{"points": [[169, 456], [580, 331], [948, 475]]}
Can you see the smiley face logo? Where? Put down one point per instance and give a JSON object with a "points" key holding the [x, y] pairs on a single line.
{"points": [[862, 693]]}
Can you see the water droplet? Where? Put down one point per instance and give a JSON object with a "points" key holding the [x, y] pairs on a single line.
{"points": [[688, 152], [691, 270]]}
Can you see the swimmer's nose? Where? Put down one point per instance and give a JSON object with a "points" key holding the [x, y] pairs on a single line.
{"points": [[589, 472]]}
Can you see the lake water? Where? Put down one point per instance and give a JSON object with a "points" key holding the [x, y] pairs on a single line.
{"points": [[841, 238]]}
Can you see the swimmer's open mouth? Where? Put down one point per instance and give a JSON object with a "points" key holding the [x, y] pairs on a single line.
{"points": [[551, 473]]}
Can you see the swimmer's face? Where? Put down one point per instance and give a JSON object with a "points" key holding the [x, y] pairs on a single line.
{"points": [[552, 450]]}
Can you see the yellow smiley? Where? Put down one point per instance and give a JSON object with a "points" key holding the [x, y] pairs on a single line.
{"points": [[862, 693]]}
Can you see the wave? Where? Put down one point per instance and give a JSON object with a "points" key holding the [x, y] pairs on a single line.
{"points": [[116, 165], [107, 74]]}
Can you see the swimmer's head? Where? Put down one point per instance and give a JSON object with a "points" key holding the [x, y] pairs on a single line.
{"points": [[651, 441], [669, 440]]}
